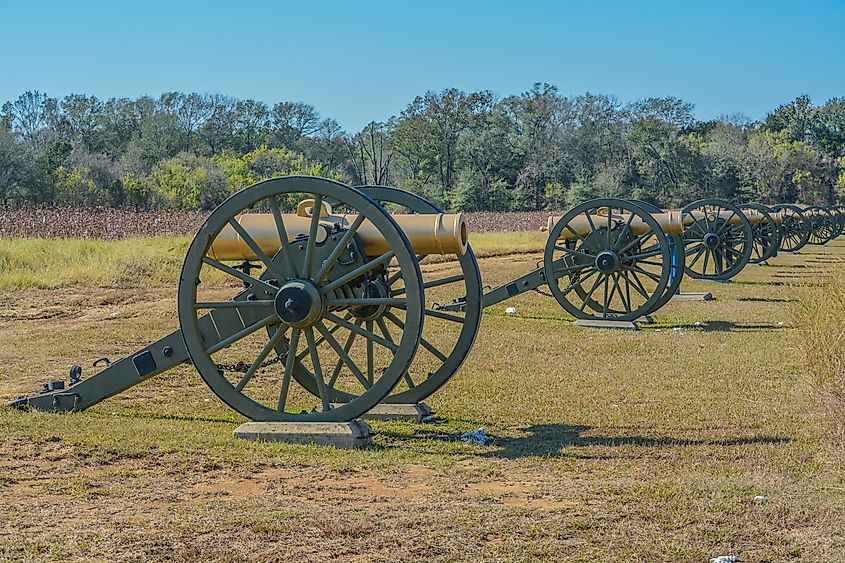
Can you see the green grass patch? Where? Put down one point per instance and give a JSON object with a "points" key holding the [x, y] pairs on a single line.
{"points": [[48, 263]]}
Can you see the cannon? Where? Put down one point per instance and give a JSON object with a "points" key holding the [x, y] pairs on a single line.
{"points": [[327, 273], [822, 225], [719, 239], [793, 232], [764, 232]]}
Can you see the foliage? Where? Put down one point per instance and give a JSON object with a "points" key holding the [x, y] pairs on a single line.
{"points": [[465, 150]]}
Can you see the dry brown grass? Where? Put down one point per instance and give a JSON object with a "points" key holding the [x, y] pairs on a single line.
{"points": [[821, 319]]}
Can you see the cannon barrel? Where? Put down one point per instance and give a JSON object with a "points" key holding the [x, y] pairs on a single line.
{"points": [[434, 233], [672, 221]]}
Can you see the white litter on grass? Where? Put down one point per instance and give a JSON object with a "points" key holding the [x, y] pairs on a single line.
{"points": [[699, 323], [726, 559], [780, 323], [478, 437], [760, 499], [510, 311], [677, 329]]}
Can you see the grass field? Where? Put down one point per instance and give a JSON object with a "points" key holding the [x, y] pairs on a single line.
{"points": [[628, 446]]}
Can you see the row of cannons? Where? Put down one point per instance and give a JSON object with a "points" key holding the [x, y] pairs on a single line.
{"points": [[351, 297]]}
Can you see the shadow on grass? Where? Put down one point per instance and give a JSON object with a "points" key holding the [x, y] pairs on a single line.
{"points": [[798, 281], [767, 299], [722, 326], [147, 415], [551, 440]]}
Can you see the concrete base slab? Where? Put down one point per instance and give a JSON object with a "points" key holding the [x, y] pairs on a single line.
{"points": [[693, 296], [645, 320], [711, 280], [414, 412], [617, 325], [353, 434]]}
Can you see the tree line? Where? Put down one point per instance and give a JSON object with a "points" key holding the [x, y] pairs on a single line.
{"points": [[466, 150]]}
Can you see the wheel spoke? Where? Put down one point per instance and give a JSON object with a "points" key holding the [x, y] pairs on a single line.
{"points": [[312, 239], [271, 343], [586, 299], [289, 361], [369, 334], [637, 286], [386, 332], [626, 302], [578, 235], [283, 237], [240, 275], [359, 271], [605, 303], [341, 245], [617, 288], [242, 334], [637, 269], [256, 248], [318, 370], [346, 347], [727, 223], [320, 340], [654, 250], [638, 239], [581, 280], [370, 359], [623, 230], [566, 269], [575, 252], [343, 354]]}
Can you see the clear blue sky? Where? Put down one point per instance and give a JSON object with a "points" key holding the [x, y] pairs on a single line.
{"points": [[364, 59]]}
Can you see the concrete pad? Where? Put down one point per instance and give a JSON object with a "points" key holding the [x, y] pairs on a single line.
{"points": [[346, 435], [693, 296], [617, 325], [645, 320], [711, 280], [411, 412]]}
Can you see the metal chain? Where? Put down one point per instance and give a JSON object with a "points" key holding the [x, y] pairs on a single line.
{"points": [[565, 290], [242, 367]]}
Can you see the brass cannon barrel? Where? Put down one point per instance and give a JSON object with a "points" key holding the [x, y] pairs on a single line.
{"points": [[435, 233], [671, 221]]}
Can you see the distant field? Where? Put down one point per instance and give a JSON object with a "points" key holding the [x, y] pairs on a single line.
{"points": [[109, 224], [610, 445]]}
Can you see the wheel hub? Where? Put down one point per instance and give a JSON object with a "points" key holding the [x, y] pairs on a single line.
{"points": [[711, 240], [607, 262], [298, 303]]}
